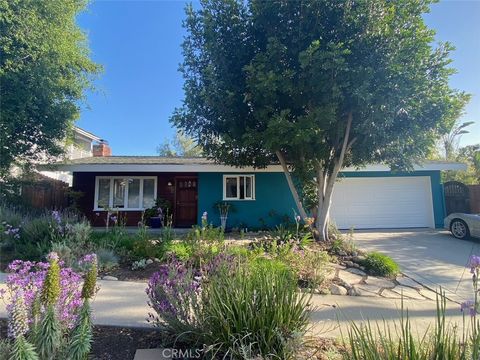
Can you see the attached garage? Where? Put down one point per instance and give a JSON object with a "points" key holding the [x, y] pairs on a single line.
{"points": [[383, 202]]}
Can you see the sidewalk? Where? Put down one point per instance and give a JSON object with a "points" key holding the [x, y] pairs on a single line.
{"points": [[124, 303]]}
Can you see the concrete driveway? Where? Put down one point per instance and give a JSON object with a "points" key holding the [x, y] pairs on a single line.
{"points": [[431, 257]]}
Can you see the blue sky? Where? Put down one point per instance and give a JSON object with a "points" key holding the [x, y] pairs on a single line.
{"points": [[138, 43]]}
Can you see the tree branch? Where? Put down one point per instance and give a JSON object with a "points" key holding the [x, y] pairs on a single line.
{"points": [[291, 185]]}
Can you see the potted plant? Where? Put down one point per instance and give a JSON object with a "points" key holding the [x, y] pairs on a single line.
{"points": [[156, 214]]}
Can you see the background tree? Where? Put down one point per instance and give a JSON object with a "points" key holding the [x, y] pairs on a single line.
{"points": [[450, 141], [315, 86], [180, 146], [448, 149], [44, 70]]}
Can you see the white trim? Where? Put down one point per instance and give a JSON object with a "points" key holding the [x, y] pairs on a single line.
{"points": [[224, 168], [125, 199], [238, 176]]}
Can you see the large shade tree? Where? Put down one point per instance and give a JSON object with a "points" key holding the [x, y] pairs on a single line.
{"points": [[44, 70], [315, 86]]}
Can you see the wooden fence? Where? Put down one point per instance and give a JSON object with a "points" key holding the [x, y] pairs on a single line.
{"points": [[474, 198], [46, 194]]}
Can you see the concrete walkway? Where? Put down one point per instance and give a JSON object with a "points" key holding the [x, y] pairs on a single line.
{"points": [[431, 257], [123, 303]]}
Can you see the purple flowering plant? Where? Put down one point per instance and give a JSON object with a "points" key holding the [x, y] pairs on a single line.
{"points": [[175, 291], [25, 280]]}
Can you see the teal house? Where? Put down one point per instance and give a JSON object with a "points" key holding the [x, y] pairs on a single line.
{"points": [[369, 198]]}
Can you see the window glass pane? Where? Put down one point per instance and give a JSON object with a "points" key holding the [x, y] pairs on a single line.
{"points": [[133, 193], [103, 193], [248, 187], [119, 193], [242, 187], [231, 187], [148, 193]]}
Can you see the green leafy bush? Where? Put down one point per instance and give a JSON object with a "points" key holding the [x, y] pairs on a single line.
{"points": [[238, 310], [381, 265]]}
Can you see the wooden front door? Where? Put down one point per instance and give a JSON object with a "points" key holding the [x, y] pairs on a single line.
{"points": [[186, 201]]}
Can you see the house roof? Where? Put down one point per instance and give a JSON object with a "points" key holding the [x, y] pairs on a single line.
{"points": [[86, 134], [181, 164]]}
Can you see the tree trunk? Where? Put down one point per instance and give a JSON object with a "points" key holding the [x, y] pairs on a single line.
{"points": [[326, 182], [291, 185]]}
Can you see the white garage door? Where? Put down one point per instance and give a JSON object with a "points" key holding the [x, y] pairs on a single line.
{"points": [[382, 202]]}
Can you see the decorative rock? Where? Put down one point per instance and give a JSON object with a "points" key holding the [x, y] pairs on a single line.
{"points": [[110, 278], [356, 271], [337, 290], [322, 291], [406, 281], [149, 261], [408, 292], [379, 282], [358, 259], [363, 290], [157, 260], [342, 253], [348, 277], [349, 263], [356, 266]]}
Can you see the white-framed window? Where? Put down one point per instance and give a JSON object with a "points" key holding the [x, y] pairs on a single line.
{"points": [[125, 192], [238, 187]]}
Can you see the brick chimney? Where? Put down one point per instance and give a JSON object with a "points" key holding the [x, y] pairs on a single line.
{"points": [[101, 149]]}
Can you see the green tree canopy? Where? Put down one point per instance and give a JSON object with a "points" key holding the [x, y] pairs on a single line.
{"points": [[180, 146], [44, 70], [315, 86]]}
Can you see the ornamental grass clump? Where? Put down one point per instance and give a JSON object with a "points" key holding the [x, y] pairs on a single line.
{"points": [[380, 265], [445, 341], [49, 315], [229, 306]]}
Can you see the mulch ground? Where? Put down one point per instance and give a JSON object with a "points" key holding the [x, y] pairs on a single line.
{"points": [[124, 272], [114, 343]]}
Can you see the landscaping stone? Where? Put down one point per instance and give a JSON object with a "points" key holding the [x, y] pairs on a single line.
{"points": [[406, 281], [356, 271], [389, 294], [348, 277], [348, 263], [149, 261], [338, 290], [358, 259], [342, 253], [364, 290], [110, 278], [380, 282], [408, 292], [157, 260]]}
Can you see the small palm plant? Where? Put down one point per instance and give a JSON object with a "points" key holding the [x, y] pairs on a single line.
{"points": [[45, 335]]}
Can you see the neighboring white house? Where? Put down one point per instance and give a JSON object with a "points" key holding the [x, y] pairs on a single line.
{"points": [[80, 146]]}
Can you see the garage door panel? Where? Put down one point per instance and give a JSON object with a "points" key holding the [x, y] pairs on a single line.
{"points": [[382, 202]]}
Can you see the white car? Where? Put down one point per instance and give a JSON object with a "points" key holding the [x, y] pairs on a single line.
{"points": [[462, 226]]}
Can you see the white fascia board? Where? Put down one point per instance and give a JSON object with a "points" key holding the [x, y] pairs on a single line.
{"points": [[226, 169], [423, 167], [162, 168]]}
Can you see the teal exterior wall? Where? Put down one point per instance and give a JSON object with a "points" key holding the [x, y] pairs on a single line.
{"points": [[273, 200]]}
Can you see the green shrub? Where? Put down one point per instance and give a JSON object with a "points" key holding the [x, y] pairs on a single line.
{"points": [[380, 265], [255, 309], [107, 259], [238, 310]]}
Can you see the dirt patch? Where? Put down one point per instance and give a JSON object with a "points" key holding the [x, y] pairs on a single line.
{"points": [[124, 272], [114, 343]]}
